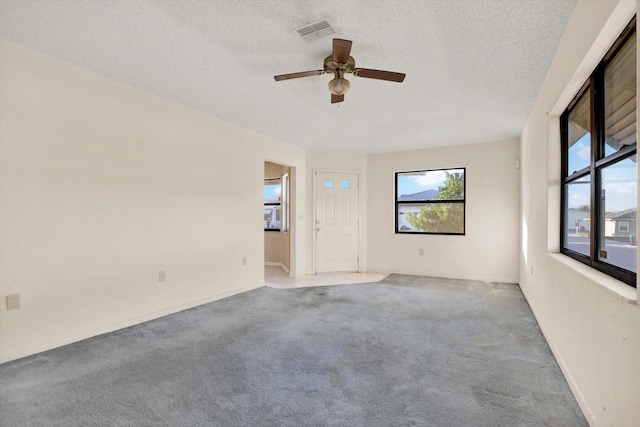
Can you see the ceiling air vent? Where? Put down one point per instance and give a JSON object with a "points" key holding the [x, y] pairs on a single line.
{"points": [[315, 30]]}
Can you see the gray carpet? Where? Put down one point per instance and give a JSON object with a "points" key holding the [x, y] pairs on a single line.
{"points": [[409, 351]]}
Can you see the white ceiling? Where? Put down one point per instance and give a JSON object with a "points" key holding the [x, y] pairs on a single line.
{"points": [[474, 67]]}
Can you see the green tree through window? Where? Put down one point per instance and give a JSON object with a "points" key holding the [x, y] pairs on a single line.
{"points": [[442, 217]]}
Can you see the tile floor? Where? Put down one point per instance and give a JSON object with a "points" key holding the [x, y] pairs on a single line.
{"points": [[276, 277]]}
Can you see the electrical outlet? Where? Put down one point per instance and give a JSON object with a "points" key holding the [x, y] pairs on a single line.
{"points": [[244, 260], [13, 302], [421, 252], [162, 276]]}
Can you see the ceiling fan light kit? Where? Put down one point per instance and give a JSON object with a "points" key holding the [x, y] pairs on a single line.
{"points": [[339, 63], [339, 85]]}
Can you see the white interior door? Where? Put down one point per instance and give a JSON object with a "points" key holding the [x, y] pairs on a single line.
{"points": [[336, 227]]}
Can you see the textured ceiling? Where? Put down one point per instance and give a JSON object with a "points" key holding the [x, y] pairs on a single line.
{"points": [[474, 67]]}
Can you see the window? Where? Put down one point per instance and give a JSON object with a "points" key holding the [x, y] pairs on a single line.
{"points": [[272, 204], [430, 201], [599, 164], [276, 204]]}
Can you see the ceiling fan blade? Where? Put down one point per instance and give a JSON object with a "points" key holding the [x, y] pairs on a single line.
{"points": [[336, 98], [379, 74], [298, 75], [341, 50]]}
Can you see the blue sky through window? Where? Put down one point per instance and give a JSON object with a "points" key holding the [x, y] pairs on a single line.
{"points": [[272, 192], [619, 184], [580, 154], [415, 182]]}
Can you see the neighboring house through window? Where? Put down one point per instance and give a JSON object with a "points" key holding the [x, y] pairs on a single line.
{"points": [[430, 201], [599, 166]]}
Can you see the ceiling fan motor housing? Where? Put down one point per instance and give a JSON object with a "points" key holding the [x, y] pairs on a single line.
{"points": [[331, 66]]}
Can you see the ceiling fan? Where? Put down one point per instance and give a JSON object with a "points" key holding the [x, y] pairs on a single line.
{"points": [[339, 63]]}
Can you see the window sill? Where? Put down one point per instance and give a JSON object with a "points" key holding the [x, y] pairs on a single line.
{"points": [[616, 287]]}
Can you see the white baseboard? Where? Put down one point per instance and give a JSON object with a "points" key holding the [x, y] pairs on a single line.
{"points": [[124, 324], [277, 264]]}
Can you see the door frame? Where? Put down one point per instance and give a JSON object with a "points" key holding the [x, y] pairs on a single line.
{"points": [[314, 216]]}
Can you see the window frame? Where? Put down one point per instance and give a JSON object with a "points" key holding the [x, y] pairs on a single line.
{"points": [[284, 203], [463, 201], [279, 180], [594, 88]]}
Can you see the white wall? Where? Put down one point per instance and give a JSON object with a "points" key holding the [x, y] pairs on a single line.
{"points": [[344, 162], [591, 321], [488, 251], [102, 186]]}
